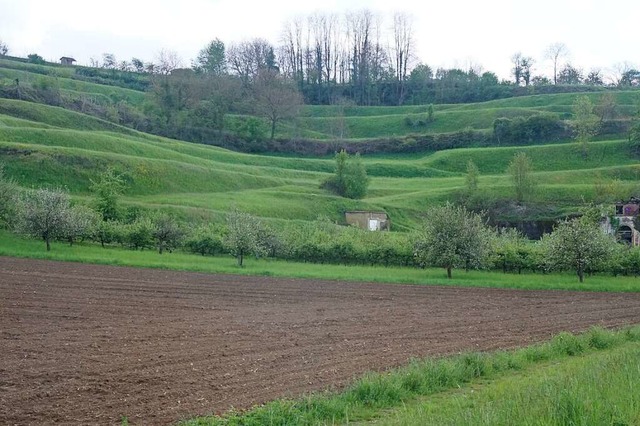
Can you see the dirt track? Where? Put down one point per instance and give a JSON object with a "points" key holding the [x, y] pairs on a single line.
{"points": [[87, 344]]}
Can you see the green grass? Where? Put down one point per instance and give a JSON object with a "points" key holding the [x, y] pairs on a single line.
{"points": [[191, 175], [49, 146], [406, 389], [374, 122], [11, 245], [600, 388], [67, 84], [57, 117]]}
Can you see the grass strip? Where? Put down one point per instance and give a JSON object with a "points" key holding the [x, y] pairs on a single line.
{"points": [[12, 245], [598, 389], [375, 392]]}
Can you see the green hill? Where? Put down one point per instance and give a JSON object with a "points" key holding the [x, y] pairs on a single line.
{"points": [[43, 145]]}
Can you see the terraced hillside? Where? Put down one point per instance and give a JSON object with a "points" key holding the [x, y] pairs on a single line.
{"points": [[44, 145]]}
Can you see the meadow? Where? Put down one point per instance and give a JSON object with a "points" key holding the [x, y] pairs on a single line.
{"points": [[50, 146]]}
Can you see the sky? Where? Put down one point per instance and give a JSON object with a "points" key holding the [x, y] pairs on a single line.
{"points": [[456, 33]]}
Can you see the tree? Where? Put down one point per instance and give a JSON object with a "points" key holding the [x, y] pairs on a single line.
{"points": [[276, 99], [516, 71], [634, 139], [81, 223], [167, 61], [34, 58], [249, 58], [107, 189], [211, 59], [4, 48], [167, 233], [526, 64], [452, 237], [569, 75], [594, 78], [109, 60], [137, 65], [630, 78], [242, 235], [555, 52], [519, 170], [471, 178], [8, 198], [139, 233], [511, 250], [579, 244], [607, 106], [585, 123], [44, 213], [350, 179], [204, 240], [403, 46]]}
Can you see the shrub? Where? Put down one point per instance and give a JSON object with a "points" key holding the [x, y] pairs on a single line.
{"points": [[204, 241]]}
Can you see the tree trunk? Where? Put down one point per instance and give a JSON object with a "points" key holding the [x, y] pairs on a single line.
{"points": [[449, 272], [48, 241], [239, 259], [160, 248], [581, 275], [273, 129]]}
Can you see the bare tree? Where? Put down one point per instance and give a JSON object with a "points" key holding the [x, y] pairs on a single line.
{"points": [[248, 58], [291, 55], [360, 29], [556, 52], [402, 50], [275, 98], [167, 61], [619, 70]]}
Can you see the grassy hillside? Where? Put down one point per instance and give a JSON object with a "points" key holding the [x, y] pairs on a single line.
{"points": [[51, 146], [68, 149], [371, 122]]}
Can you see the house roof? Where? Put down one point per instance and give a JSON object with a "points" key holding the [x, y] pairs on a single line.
{"points": [[364, 211], [68, 58]]}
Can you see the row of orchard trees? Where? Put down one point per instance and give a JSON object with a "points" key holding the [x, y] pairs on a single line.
{"points": [[451, 237]]}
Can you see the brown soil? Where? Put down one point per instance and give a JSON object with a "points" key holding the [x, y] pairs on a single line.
{"points": [[87, 344]]}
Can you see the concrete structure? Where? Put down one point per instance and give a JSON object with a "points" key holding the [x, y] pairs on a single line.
{"points": [[65, 60], [625, 222], [373, 221]]}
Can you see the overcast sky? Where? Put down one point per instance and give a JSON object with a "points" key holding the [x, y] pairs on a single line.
{"points": [[598, 34]]}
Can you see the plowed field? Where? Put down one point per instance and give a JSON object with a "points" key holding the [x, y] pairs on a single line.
{"points": [[87, 344]]}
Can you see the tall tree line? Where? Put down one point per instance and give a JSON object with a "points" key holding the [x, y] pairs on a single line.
{"points": [[358, 56]]}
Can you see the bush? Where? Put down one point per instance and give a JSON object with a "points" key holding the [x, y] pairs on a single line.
{"points": [[204, 241], [350, 179], [139, 234], [533, 129]]}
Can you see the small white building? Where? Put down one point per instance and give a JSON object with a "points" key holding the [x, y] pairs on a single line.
{"points": [[373, 221]]}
